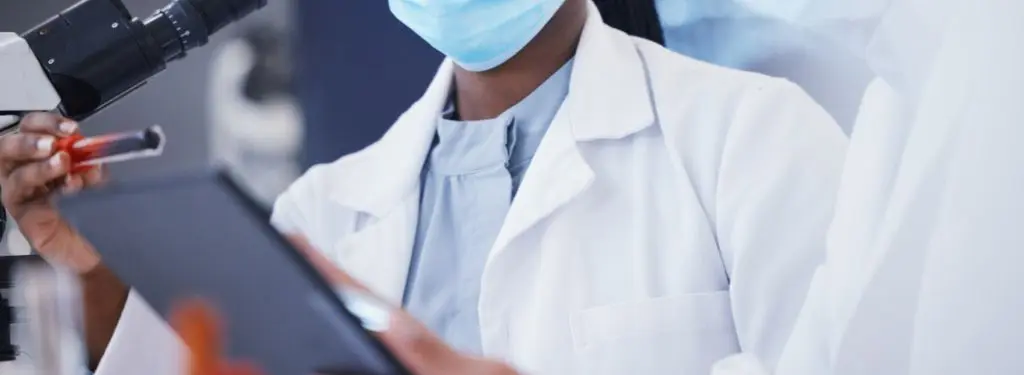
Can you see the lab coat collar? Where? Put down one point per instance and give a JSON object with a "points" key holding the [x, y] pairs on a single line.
{"points": [[608, 93], [377, 178], [608, 99]]}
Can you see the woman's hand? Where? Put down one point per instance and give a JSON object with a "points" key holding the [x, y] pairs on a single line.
{"points": [[423, 353], [413, 344], [30, 175]]}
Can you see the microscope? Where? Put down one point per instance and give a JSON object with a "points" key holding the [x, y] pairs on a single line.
{"points": [[86, 58]]}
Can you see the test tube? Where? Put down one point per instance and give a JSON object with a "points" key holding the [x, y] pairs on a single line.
{"points": [[112, 148]]}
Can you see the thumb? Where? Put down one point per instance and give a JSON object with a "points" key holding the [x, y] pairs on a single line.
{"points": [[412, 344], [419, 349], [324, 266]]}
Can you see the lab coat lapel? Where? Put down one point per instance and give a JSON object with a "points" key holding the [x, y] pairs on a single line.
{"points": [[608, 99], [920, 140], [378, 255], [382, 184], [557, 174], [895, 264]]}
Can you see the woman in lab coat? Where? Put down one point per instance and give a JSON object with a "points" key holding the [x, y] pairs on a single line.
{"points": [[568, 199], [671, 214]]}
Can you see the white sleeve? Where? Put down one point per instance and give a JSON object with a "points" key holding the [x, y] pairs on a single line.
{"points": [[290, 215], [777, 183], [306, 209], [968, 318], [303, 210]]}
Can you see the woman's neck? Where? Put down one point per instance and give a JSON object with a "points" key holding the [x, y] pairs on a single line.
{"points": [[485, 95]]}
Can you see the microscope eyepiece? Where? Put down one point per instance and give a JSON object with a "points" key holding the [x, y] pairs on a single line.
{"points": [[186, 24], [96, 52], [219, 13]]}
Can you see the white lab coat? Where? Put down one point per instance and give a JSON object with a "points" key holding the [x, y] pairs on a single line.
{"points": [[869, 310], [671, 216], [969, 317]]}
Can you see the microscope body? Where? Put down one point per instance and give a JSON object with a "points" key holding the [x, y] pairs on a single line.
{"points": [[24, 85]]}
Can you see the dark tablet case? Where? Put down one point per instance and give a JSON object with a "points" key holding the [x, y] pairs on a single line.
{"points": [[202, 236]]}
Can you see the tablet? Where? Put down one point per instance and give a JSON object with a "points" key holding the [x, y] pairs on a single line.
{"points": [[202, 236]]}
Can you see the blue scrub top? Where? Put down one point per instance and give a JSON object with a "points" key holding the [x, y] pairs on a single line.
{"points": [[469, 180]]}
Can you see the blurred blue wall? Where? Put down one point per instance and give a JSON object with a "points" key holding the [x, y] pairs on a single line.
{"points": [[358, 69]]}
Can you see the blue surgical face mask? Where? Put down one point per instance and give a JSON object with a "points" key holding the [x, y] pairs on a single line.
{"points": [[478, 35]]}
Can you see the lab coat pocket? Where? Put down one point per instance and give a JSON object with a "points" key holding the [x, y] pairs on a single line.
{"points": [[683, 334]]}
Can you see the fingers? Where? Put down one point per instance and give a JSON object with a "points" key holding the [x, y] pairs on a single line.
{"points": [[300, 243], [327, 269], [419, 349], [90, 177], [94, 177], [39, 132], [412, 343], [16, 149], [424, 353], [47, 123], [27, 180], [72, 184]]}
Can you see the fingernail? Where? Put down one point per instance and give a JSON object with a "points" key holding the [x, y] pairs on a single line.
{"points": [[55, 161], [70, 189], [374, 314], [68, 127], [45, 145]]}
